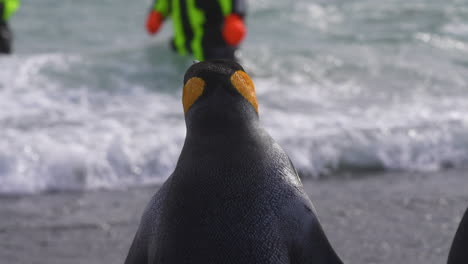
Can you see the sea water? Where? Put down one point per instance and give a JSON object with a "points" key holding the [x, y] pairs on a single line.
{"points": [[88, 100]]}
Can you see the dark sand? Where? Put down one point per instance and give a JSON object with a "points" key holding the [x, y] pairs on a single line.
{"points": [[384, 218]]}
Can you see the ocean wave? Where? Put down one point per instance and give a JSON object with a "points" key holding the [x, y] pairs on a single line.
{"points": [[111, 153]]}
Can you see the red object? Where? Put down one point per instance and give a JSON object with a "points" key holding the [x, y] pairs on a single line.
{"points": [[234, 30], [154, 22]]}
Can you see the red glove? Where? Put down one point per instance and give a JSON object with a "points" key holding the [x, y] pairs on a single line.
{"points": [[234, 30], [154, 22]]}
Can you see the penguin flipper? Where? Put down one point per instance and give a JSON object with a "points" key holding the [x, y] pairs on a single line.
{"points": [[459, 250], [310, 244], [317, 249], [138, 251], [143, 248]]}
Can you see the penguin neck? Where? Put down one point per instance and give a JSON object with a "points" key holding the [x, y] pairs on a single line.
{"points": [[212, 127]]}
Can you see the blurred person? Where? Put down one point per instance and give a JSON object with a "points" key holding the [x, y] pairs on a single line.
{"points": [[7, 9], [206, 29]]}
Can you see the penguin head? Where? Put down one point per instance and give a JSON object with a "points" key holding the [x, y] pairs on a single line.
{"points": [[219, 91]]}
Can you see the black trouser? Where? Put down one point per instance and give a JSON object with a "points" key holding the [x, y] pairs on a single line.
{"points": [[5, 38], [5, 34], [212, 53], [225, 53]]}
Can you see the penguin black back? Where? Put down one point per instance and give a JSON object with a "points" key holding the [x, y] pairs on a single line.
{"points": [[459, 250], [234, 196]]}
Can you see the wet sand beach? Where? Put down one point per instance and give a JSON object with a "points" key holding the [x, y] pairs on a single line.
{"points": [[381, 218]]}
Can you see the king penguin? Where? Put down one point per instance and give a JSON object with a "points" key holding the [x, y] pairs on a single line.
{"points": [[459, 250], [234, 196]]}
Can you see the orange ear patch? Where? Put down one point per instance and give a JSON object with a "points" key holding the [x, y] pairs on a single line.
{"points": [[242, 82], [193, 89]]}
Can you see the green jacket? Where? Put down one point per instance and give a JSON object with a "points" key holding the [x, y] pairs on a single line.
{"points": [[9, 7], [197, 24]]}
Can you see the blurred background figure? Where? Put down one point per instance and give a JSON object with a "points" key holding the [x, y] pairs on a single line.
{"points": [[7, 9], [205, 29]]}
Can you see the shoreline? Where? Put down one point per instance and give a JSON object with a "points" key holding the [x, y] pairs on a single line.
{"points": [[386, 218]]}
